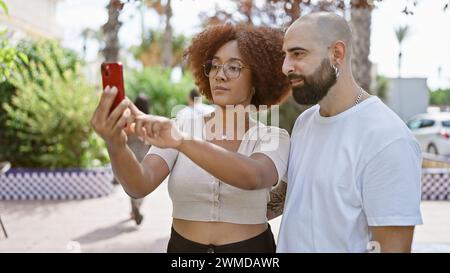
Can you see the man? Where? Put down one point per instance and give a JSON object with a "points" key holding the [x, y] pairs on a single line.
{"points": [[354, 168]]}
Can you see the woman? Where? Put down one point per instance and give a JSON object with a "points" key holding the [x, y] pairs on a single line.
{"points": [[221, 166]]}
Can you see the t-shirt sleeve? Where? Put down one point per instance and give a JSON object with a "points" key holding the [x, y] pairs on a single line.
{"points": [[168, 155], [391, 185], [275, 143]]}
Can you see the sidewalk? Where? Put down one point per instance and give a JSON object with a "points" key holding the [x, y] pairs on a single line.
{"points": [[103, 225]]}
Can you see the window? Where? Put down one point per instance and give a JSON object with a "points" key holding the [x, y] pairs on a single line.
{"points": [[446, 123], [414, 124], [427, 123], [422, 123]]}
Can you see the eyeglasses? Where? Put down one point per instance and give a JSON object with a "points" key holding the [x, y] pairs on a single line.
{"points": [[232, 69]]}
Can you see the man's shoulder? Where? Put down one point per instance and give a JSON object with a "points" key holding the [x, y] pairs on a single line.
{"points": [[381, 127], [379, 119]]}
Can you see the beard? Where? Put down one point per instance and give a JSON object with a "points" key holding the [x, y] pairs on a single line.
{"points": [[315, 86]]}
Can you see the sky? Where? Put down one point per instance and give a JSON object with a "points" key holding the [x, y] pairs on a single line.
{"points": [[425, 50]]}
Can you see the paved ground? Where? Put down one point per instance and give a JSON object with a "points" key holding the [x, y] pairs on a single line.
{"points": [[103, 225]]}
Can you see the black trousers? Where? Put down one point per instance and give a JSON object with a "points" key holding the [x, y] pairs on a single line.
{"points": [[262, 243]]}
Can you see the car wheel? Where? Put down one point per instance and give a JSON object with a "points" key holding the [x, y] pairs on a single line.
{"points": [[432, 149]]}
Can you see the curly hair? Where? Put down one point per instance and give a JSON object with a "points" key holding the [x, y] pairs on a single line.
{"points": [[261, 50]]}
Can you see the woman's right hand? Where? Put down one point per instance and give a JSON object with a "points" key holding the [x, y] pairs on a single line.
{"points": [[111, 126]]}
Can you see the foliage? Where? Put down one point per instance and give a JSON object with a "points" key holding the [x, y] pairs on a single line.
{"points": [[381, 87], [4, 7], [440, 97], [44, 119], [155, 82], [150, 50], [10, 57]]}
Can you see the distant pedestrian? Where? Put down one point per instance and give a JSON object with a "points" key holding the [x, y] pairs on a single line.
{"points": [[195, 106], [140, 149]]}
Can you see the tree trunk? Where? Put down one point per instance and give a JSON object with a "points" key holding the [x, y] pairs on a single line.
{"points": [[246, 8], [166, 57], [111, 33], [360, 22], [293, 10]]}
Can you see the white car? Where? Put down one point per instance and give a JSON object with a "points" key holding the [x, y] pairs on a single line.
{"points": [[432, 131]]}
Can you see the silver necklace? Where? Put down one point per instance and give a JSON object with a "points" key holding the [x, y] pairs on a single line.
{"points": [[361, 91]]}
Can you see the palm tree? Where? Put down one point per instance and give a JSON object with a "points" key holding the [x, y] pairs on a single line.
{"points": [[401, 32], [4, 7], [166, 57], [361, 18], [165, 13], [111, 31], [150, 51], [90, 34]]}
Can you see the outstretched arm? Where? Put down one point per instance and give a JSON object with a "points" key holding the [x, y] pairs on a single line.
{"points": [[249, 173]]}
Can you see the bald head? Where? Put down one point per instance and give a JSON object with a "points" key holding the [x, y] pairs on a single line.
{"points": [[324, 28]]}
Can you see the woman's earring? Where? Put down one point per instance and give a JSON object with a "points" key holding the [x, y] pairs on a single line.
{"points": [[253, 91], [336, 70]]}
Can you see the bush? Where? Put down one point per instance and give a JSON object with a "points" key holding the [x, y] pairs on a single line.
{"points": [[9, 58], [156, 84], [45, 120], [33, 60], [440, 97], [381, 87]]}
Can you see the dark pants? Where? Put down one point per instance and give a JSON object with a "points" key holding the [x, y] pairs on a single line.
{"points": [[262, 243]]}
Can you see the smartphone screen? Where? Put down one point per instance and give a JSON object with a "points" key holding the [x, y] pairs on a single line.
{"points": [[112, 75]]}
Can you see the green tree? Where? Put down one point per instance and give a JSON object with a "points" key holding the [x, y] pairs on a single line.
{"points": [[111, 32], [48, 124], [90, 34], [401, 33], [360, 23], [150, 51], [440, 97], [10, 57], [45, 108], [381, 87], [4, 7], [155, 82]]}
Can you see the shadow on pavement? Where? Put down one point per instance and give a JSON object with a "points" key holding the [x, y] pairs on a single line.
{"points": [[106, 233]]}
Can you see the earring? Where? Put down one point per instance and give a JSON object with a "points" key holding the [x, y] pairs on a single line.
{"points": [[253, 91], [336, 70]]}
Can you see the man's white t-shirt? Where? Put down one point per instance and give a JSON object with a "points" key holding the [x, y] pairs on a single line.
{"points": [[347, 172]]}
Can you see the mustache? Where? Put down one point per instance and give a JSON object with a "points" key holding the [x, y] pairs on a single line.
{"points": [[294, 76]]}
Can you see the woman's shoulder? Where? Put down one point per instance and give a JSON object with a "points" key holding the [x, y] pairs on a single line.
{"points": [[271, 139]]}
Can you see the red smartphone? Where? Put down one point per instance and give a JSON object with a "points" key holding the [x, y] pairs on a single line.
{"points": [[112, 75]]}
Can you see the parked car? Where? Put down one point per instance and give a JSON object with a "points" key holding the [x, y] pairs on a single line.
{"points": [[432, 130]]}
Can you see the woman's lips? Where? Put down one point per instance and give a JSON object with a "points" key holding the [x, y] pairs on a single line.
{"points": [[221, 89]]}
